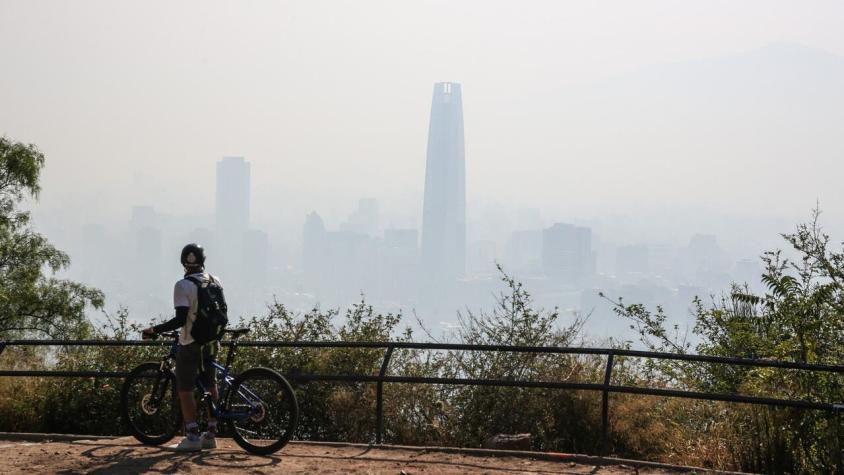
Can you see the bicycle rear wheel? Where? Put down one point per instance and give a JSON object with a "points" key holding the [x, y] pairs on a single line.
{"points": [[149, 404], [263, 411]]}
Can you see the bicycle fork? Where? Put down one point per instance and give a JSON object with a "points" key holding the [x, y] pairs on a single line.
{"points": [[158, 391]]}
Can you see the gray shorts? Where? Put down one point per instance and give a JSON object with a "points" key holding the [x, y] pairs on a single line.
{"points": [[195, 360]]}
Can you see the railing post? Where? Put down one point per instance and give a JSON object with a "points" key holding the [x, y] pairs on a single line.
{"points": [[605, 408], [2, 346], [379, 396]]}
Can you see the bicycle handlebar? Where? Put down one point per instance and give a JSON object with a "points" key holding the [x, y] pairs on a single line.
{"points": [[234, 332], [154, 336]]}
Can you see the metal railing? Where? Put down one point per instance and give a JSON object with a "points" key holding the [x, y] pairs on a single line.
{"points": [[605, 388]]}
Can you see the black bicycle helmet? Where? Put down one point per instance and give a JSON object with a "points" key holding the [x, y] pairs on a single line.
{"points": [[193, 255]]}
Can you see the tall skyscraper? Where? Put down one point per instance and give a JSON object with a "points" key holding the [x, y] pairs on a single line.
{"points": [[444, 210], [233, 181], [233, 177]]}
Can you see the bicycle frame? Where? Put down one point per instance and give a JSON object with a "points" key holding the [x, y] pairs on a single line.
{"points": [[224, 385]]}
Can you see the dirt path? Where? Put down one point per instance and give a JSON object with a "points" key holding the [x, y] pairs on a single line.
{"points": [[125, 455]]}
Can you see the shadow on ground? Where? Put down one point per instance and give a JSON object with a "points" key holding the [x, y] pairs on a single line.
{"points": [[103, 459], [109, 458]]}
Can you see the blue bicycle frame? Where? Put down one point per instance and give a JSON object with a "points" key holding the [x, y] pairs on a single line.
{"points": [[224, 385]]}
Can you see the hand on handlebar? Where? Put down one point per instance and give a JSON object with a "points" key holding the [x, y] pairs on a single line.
{"points": [[149, 334]]}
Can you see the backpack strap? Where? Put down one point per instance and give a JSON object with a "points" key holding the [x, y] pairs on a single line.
{"points": [[196, 282]]}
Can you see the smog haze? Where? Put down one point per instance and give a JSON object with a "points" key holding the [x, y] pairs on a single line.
{"points": [[675, 133]]}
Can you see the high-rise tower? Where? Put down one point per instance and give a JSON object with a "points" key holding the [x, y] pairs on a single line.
{"points": [[444, 211], [233, 180], [233, 176]]}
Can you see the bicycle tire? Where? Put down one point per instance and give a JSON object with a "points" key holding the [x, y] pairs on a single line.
{"points": [[168, 421], [286, 409]]}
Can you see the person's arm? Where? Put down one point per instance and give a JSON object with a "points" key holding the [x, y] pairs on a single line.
{"points": [[181, 303], [174, 323]]}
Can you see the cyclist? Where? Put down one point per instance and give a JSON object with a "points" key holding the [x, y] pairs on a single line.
{"points": [[192, 359]]}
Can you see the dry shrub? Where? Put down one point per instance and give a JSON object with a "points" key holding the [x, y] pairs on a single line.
{"points": [[679, 431], [352, 411]]}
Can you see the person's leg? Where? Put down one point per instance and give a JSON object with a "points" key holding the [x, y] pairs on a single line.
{"points": [[188, 406], [187, 368]]}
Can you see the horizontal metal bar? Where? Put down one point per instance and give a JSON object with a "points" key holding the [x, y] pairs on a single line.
{"points": [[362, 378], [446, 381], [733, 361], [65, 374], [88, 342], [349, 378], [494, 382], [763, 401], [462, 347]]}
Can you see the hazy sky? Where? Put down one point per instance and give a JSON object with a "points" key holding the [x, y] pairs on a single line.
{"points": [[133, 102]]}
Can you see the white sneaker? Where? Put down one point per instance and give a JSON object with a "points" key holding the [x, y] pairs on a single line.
{"points": [[208, 442], [188, 445]]}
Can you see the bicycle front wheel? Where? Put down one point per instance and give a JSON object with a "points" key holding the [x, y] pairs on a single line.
{"points": [[263, 411], [149, 404]]}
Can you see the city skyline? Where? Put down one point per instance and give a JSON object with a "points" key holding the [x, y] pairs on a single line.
{"points": [[564, 264]]}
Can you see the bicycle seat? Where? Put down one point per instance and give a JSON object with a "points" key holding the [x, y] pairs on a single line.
{"points": [[236, 332]]}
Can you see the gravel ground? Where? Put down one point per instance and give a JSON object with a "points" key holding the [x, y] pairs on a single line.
{"points": [[125, 455]]}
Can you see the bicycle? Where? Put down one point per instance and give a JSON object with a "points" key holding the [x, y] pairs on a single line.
{"points": [[258, 405]]}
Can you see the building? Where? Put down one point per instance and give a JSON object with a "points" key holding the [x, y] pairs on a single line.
{"points": [[233, 182], [313, 249], [232, 214], [524, 250], [205, 238], [256, 257], [398, 267], [401, 238], [444, 209], [632, 260], [145, 229], [567, 255], [338, 265], [365, 219]]}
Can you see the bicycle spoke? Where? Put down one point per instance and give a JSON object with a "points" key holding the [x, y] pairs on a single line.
{"points": [[149, 404], [267, 408]]}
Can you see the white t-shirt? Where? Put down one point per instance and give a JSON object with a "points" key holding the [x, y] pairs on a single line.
{"points": [[185, 295]]}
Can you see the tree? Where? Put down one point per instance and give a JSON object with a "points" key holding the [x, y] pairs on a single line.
{"points": [[33, 301], [800, 318]]}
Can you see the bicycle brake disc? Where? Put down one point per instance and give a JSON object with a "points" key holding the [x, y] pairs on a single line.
{"points": [[260, 413], [146, 407]]}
